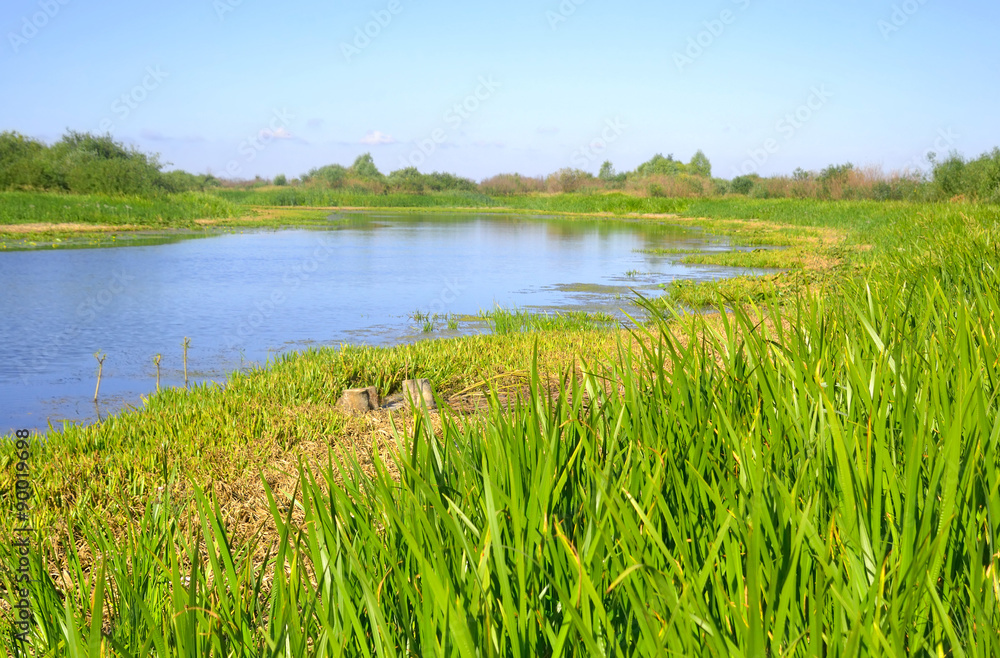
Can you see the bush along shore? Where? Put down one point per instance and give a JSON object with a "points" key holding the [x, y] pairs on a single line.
{"points": [[811, 471]]}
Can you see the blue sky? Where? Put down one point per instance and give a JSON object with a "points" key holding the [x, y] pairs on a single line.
{"points": [[477, 88]]}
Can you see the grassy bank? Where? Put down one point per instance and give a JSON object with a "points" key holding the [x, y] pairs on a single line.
{"points": [[32, 220], [616, 203], [166, 211], [813, 474], [220, 434]]}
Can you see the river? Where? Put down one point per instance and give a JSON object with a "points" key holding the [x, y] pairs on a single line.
{"points": [[243, 297]]}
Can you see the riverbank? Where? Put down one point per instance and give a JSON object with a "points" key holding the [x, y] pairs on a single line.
{"points": [[814, 466], [91, 230]]}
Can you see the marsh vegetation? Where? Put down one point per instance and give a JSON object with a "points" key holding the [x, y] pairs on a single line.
{"points": [[810, 470], [812, 474]]}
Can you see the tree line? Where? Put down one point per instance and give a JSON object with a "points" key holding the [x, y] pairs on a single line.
{"points": [[85, 163]]}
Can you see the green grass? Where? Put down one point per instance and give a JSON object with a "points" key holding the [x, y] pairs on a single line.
{"points": [[827, 241], [155, 212], [305, 197], [504, 321], [615, 203], [668, 251], [758, 258], [885, 224], [816, 474], [223, 434], [133, 221], [702, 295]]}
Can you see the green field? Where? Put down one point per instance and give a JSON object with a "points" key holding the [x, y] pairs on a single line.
{"points": [[812, 471], [152, 212]]}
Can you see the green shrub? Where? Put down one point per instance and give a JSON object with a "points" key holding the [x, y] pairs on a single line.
{"points": [[743, 184], [977, 179], [84, 163]]}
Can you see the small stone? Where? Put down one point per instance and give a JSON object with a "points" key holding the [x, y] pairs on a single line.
{"points": [[373, 398], [359, 400], [419, 391]]}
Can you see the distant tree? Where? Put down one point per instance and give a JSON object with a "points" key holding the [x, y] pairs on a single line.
{"points": [[568, 180], [700, 165], [87, 163], [364, 167], [834, 180], [836, 172], [22, 162], [511, 184], [330, 176], [611, 178], [975, 178], [439, 182], [15, 146], [406, 180], [744, 184], [182, 181], [801, 174], [102, 147], [281, 180], [661, 166]]}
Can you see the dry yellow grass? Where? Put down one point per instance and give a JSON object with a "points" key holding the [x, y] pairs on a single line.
{"points": [[28, 229]]}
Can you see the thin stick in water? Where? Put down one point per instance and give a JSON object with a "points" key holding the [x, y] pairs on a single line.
{"points": [[100, 371], [186, 344]]}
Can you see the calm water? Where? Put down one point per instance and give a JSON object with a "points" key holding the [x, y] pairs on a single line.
{"points": [[243, 298]]}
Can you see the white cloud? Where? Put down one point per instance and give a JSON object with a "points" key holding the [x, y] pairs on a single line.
{"points": [[377, 137], [280, 133]]}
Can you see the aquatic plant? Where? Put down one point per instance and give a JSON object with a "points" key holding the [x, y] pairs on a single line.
{"points": [[504, 321]]}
